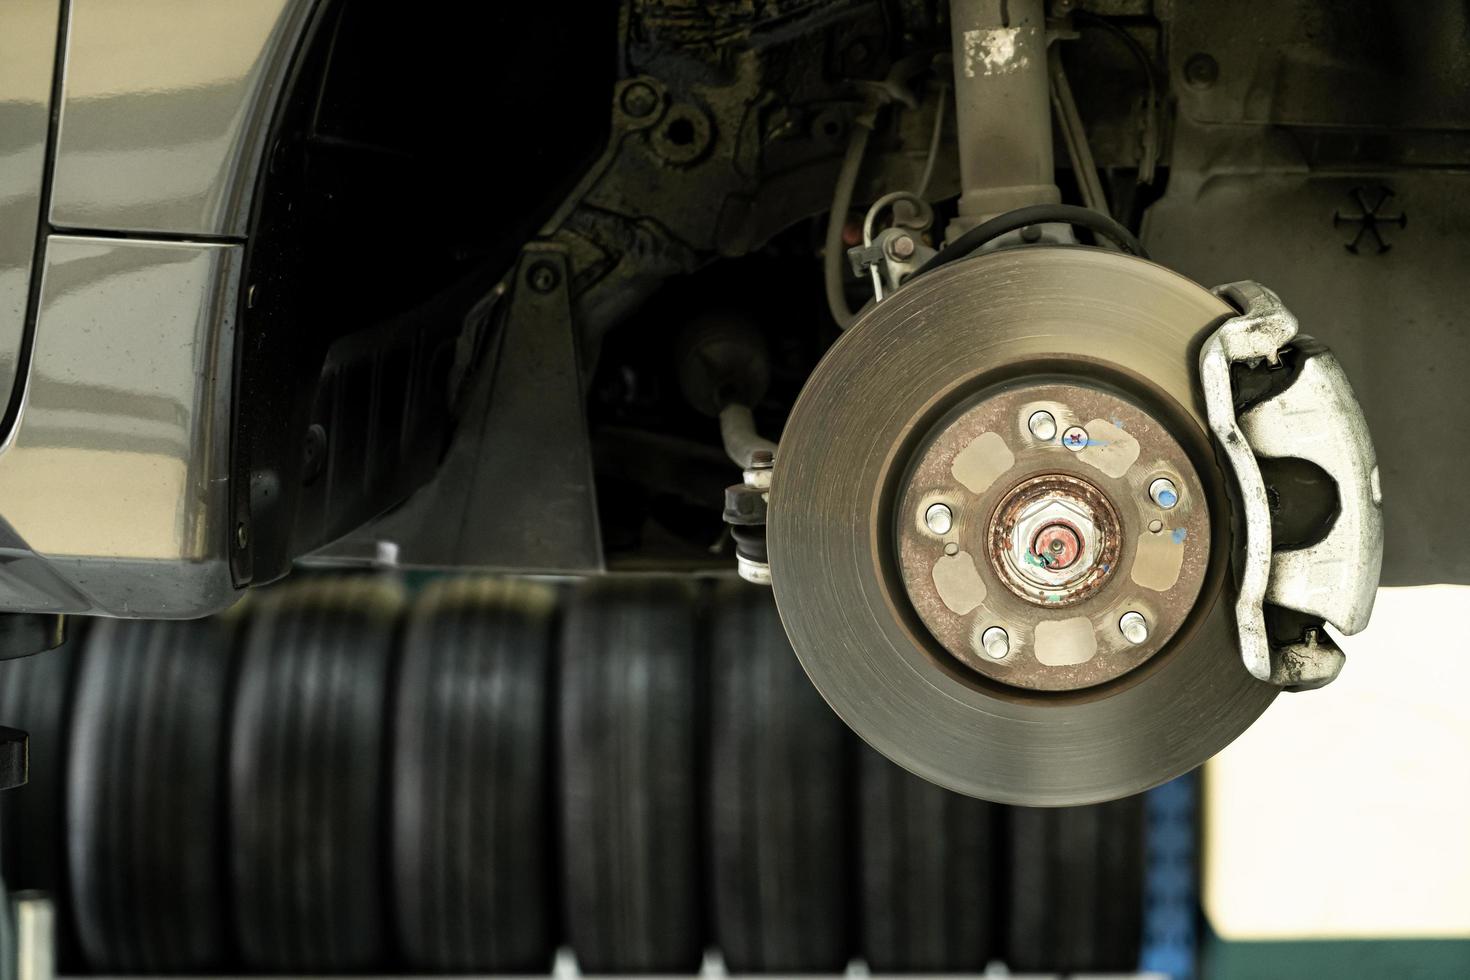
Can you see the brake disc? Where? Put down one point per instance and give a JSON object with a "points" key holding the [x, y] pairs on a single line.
{"points": [[1059, 629]]}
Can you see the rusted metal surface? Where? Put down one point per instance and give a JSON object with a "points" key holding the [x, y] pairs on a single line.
{"points": [[1013, 495]]}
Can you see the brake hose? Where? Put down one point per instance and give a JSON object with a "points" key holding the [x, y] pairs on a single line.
{"points": [[1036, 214]]}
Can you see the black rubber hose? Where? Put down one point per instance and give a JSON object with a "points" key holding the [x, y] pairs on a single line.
{"points": [[1036, 214]]}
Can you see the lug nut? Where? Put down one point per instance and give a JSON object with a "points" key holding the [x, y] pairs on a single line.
{"points": [[938, 518], [1075, 438], [1164, 493], [996, 642], [1133, 627], [1042, 426]]}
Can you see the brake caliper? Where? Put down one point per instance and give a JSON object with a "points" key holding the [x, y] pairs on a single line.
{"points": [[1279, 403]]}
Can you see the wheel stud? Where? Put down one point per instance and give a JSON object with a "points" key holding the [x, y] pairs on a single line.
{"points": [[939, 518], [996, 642], [1042, 426], [1163, 492], [1133, 627]]}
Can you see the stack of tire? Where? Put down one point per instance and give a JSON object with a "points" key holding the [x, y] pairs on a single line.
{"points": [[335, 778]]}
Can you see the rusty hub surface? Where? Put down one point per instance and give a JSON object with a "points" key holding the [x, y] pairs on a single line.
{"points": [[1051, 543]]}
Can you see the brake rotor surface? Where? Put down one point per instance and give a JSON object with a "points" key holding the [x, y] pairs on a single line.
{"points": [[1053, 533]]}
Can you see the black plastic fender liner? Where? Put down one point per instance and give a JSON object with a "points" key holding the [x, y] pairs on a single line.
{"points": [[929, 869], [628, 754], [474, 887], [1075, 901], [35, 696], [145, 795], [308, 831], [778, 783]]}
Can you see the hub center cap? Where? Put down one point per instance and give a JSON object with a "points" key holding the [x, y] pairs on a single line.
{"points": [[1054, 539]]}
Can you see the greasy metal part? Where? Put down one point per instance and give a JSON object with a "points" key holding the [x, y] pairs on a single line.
{"points": [[1317, 418], [1255, 335], [1054, 545], [1002, 108], [515, 489], [164, 112], [115, 481], [846, 447], [28, 30]]}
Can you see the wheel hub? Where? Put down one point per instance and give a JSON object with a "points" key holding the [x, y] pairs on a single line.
{"points": [[1052, 541]]}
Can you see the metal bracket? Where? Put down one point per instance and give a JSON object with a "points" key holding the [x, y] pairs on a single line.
{"points": [[1316, 418]]}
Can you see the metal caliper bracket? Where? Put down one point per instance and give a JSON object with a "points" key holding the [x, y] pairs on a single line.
{"points": [[1316, 418]]}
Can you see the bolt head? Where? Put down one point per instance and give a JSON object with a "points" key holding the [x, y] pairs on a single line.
{"points": [[1043, 426], [1201, 70], [639, 100], [1164, 493], [996, 643], [902, 247], [1075, 438], [1133, 627], [543, 277], [939, 518]]}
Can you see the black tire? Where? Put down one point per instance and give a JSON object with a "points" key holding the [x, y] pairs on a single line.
{"points": [[928, 873], [778, 799], [1076, 888], [307, 801], [145, 796], [35, 696], [471, 822], [627, 748]]}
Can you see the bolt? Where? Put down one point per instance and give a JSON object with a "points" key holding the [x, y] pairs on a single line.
{"points": [[639, 100], [1133, 627], [1201, 70], [1042, 425], [996, 643], [1075, 438], [762, 459], [939, 518], [902, 247], [951, 549], [242, 535], [1156, 526], [1163, 492], [543, 277]]}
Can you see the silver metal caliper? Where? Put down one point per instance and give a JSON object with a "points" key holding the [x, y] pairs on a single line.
{"points": [[1315, 417]]}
